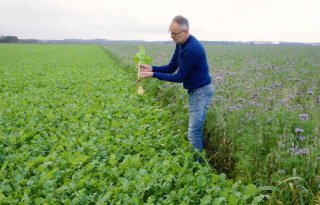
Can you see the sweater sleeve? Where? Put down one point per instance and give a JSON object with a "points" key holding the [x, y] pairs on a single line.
{"points": [[171, 67], [188, 60]]}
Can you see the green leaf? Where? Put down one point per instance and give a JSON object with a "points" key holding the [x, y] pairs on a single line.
{"points": [[142, 51], [141, 57], [136, 59], [251, 189], [2, 197], [206, 200], [39, 201], [201, 181], [18, 178], [218, 201], [147, 60], [6, 187], [113, 160], [267, 188], [258, 199]]}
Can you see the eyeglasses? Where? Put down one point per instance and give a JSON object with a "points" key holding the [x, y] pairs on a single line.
{"points": [[174, 34]]}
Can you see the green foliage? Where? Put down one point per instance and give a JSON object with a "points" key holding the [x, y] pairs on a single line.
{"points": [[9, 39], [72, 131], [141, 57], [262, 94]]}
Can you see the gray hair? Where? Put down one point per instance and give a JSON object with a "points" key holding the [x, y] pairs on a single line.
{"points": [[182, 21]]}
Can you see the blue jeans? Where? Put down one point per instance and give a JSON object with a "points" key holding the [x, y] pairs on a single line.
{"points": [[200, 99]]}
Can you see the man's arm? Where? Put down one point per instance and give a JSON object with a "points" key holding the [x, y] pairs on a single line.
{"points": [[187, 63]]}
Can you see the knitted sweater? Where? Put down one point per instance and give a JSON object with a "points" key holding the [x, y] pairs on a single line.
{"points": [[191, 60]]}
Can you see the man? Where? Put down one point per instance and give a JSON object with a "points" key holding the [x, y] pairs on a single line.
{"points": [[188, 66]]}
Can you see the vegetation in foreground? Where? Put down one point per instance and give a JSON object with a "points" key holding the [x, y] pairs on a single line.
{"points": [[264, 125], [74, 131]]}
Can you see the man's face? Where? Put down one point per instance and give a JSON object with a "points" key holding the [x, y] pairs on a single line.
{"points": [[178, 36]]}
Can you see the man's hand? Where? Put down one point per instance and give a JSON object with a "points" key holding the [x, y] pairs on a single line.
{"points": [[146, 74], [145, 71], [145, 68]]}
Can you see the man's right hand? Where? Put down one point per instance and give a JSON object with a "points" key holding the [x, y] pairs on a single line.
{"points": [[145, 68]]}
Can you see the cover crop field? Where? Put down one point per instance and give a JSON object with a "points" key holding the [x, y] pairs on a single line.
{"points": [[73, 130], [264, 125]]}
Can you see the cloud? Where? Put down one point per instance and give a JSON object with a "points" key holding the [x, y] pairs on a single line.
{"points": [[285, 20]]}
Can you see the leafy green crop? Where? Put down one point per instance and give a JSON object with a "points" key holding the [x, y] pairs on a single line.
{"points": [[263, 96], [141, 58], [73, 132]]}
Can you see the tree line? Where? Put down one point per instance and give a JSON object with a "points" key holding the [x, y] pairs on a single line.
{"points": [[9, 39]]}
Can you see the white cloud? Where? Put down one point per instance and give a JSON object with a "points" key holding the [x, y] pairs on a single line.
{"points": [[285, 20]]}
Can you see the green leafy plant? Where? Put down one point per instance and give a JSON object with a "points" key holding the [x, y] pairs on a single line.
{"points": [[141, 58], [262, 94], [71, 133]]}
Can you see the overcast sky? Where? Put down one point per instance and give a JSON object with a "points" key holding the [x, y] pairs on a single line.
{"points": [[231, 20]]}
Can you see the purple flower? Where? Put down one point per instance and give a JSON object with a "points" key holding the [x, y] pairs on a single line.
{"points": [[310, 91], [299, 151], [219, 78], [233, 107], [293, 149], [290, 97], [304, 117], [282, 101], [250, 116], [256, 104], [241, 100], [298, 130], [304, 151], [254, 95], [269, 120], [301, 138], [219, 97], [259, 75], [231, 73], [271, 99]]}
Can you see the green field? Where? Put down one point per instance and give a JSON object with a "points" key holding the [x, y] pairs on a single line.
{"points": [[264, 125], [73, 129]]}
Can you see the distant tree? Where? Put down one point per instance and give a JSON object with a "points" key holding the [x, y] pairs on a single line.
{"points": [[9, 39]]}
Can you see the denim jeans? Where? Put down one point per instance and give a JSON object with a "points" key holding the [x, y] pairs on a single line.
{"points": [[200, 99]]}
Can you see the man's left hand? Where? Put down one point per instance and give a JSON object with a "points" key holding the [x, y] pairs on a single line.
{"points": [[146, 74]]}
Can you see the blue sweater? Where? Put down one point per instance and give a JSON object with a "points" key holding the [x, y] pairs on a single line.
{"points": [[191, 60]]}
